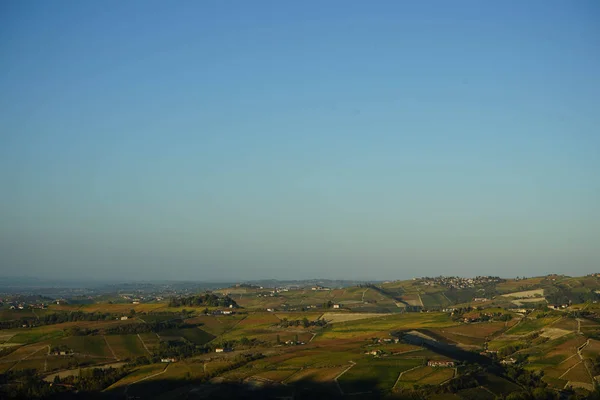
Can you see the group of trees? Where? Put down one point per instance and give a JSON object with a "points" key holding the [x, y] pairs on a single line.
{"points": [[56, 318], [179, 349], [459, 313], [565, 295], [496, 316], [328, 304], [94, 380], [25, 384], [28, 384], [303, 322], [205, 300], [77, 331], [152, 326]]}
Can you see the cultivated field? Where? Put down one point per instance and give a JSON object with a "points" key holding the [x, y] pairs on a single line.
{"points": [[94, 346], [477, 330], [426, 376], [376, 373], [529, 325], [315, 375], [334, 317], [526, 294], [354, 346], [126, 346]]}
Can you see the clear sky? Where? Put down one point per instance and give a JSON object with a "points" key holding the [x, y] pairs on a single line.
{"points": [[299, 139]]}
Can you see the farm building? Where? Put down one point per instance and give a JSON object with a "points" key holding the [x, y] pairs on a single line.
{"points": [[123, 318], [440, 363], [337, 305], [223, 350], [557, 307]]}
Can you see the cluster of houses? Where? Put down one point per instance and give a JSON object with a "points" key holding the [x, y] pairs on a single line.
{"points": [[379, 352], [293, 343], [388, 340], [223, 312], [494, 353], [557, 306], [168, 360], [273, 292], [482, 317], [480, 299], [62, 353], [23, 306], [441, 363], [137, 299], [458, 282], [335, 306]]}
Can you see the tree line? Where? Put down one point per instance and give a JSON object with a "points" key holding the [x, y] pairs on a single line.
{"points": [[303, 322], [152, 326], [57, 318], [205, 300]]}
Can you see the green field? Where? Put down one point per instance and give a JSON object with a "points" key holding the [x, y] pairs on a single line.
{"points": [[137, 374], [364, 328], [216, 325], [26, 352], [194, 335], [160, 317], [277, 375], [94, 346], [126, 346], [435, 300], [531, 325], [499, 385], [36, 335], [476, 394], [151, 340], [370, 374]]}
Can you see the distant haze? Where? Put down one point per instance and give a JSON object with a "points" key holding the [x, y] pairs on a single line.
{"points": [[210, 140]]}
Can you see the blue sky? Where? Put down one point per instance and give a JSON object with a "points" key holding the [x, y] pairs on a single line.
{"points": [[341, 139]]}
